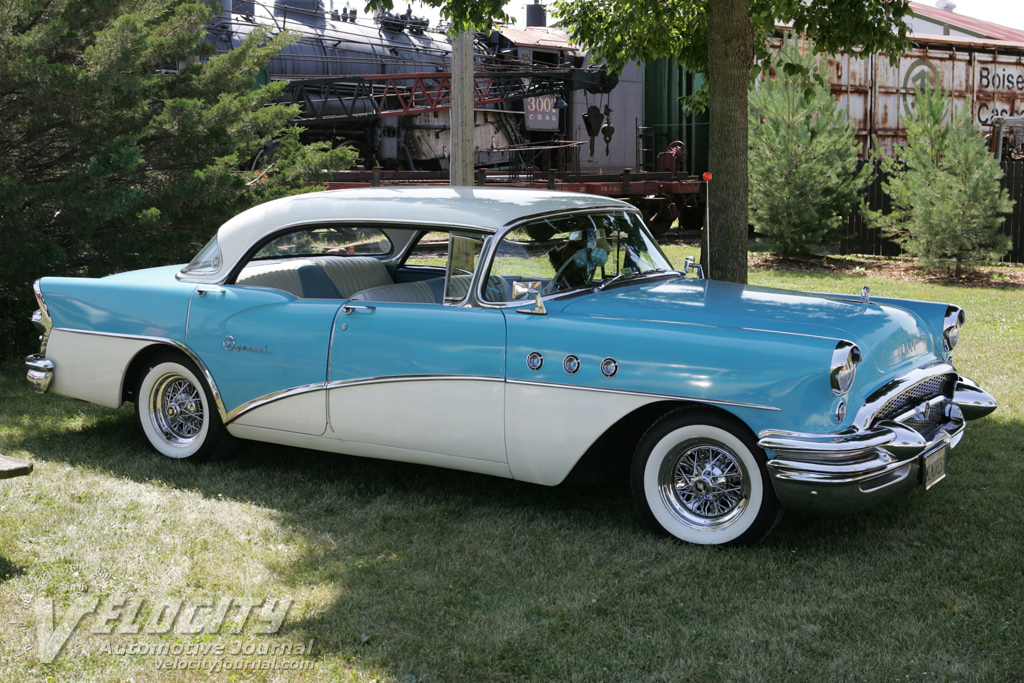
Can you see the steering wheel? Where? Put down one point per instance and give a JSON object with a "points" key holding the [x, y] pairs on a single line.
{"points": [[558, 281]]}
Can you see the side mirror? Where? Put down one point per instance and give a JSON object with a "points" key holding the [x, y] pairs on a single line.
{"points": [[689, 263], [524, 289]]}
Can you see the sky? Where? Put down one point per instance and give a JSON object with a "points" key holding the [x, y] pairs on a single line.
{"points": [[1003, 12]]}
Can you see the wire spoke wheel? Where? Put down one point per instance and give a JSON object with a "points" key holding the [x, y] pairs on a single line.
{"points": [[176, 413], [701, 478], [177, 409], [703, 484]]}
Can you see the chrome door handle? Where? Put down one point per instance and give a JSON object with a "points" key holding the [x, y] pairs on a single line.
{"points": [[348, 308], [203, 290]]}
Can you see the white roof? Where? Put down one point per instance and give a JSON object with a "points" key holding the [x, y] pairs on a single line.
{"points": [[487, 209]]}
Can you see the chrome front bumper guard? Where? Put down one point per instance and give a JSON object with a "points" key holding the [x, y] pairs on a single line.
{"points": [[854, 470], [40, 372]]}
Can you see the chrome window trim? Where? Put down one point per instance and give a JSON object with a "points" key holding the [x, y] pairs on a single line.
{"points": [[487, 257], [644, 394], [394, 257]]}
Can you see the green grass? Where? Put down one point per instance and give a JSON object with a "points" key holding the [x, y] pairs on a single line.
{"points": [[407, 573]]}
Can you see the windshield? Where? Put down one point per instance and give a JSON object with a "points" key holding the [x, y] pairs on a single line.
{"points": [[577, 251]]}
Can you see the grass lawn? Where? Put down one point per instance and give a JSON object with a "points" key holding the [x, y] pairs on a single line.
{"points": [[407, 573]]}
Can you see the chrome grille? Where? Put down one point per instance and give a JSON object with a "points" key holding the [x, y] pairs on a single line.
{"points": [[939, 385], [927, 422]]}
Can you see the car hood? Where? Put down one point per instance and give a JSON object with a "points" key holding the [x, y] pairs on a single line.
{"points": [[887, 335]]}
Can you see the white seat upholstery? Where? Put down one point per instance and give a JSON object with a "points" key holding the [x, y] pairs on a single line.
{"points": [[351, 274], [320, 277], [279, 275], [404, 292]]}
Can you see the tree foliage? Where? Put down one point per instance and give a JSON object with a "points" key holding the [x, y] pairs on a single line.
{"points": [[122, 138], [803, 156], [725, 37], [945, 185], [463, 15]]}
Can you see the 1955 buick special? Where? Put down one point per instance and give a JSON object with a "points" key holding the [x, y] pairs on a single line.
{"points": [[531, 335]]}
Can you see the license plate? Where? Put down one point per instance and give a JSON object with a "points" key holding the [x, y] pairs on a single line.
{"points": [[934, 467]]}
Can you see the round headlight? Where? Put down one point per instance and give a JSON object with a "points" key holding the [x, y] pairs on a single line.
{"points": [[951, 324], [844, 367]]}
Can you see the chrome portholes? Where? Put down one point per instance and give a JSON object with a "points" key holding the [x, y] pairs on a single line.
{"points": [[703, 484], [609, 367], [571, 364], [535, 361]]}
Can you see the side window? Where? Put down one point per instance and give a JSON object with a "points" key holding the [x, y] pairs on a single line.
{"points": [[431, 249], [332, 240], [463, 255]]}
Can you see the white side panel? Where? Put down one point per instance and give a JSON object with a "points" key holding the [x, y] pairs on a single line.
{"points": [[90, 367], [304, 413], [548, 429], [463, 418], [323, 443]]}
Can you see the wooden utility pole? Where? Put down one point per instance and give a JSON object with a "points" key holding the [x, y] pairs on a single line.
{"points": [[461, 163]]}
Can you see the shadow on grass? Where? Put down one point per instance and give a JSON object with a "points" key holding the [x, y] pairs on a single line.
{"points": [[449, 575], [9, 570]]}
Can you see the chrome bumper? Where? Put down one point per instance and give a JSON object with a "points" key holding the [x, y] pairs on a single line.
{"points": [[857, 469], [40, 372]]}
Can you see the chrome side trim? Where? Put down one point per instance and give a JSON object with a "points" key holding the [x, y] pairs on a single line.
{"points": [[168, 342], [390, 379], [644, 394], [266, 399]]}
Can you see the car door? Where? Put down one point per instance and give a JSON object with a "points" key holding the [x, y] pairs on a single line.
{"points": [[266, 350], [421, 381]]}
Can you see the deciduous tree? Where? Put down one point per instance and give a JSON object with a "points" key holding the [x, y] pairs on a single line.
{"points": [[725, 38]]}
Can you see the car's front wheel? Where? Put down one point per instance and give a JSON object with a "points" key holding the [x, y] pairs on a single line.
{"points": [[701, 479], [175, 411]]}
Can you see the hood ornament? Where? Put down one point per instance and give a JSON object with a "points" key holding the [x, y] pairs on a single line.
{"points": [[865, 295]]}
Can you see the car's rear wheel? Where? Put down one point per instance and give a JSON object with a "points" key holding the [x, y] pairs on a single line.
{"points": [[698, 477], [176, 413]]}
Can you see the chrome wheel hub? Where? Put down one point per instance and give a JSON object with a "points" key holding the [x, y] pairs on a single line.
{"points": [[703, 484], [177, 409]]}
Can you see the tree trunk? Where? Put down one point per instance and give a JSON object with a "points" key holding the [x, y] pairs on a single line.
{"points": [[730, 58]]}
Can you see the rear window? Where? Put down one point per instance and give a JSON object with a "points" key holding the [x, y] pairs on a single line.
{"points": [[333, 240]]}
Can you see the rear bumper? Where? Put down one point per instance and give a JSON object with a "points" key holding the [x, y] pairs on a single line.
{"points": [[857, 469], [39, 372]]}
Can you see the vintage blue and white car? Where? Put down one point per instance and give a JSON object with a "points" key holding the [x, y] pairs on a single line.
{"points": [[532, 335]]}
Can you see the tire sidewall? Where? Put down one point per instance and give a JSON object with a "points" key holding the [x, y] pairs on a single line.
{"points": [[161, 368], [761, 511]]}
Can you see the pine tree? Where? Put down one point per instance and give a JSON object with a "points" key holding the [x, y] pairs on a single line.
{"points": [[947, 198], [803, 157], [122, 138]]}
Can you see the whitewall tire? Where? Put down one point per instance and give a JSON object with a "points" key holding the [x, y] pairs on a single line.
{"points": [[702, 479], [176, 412]]}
